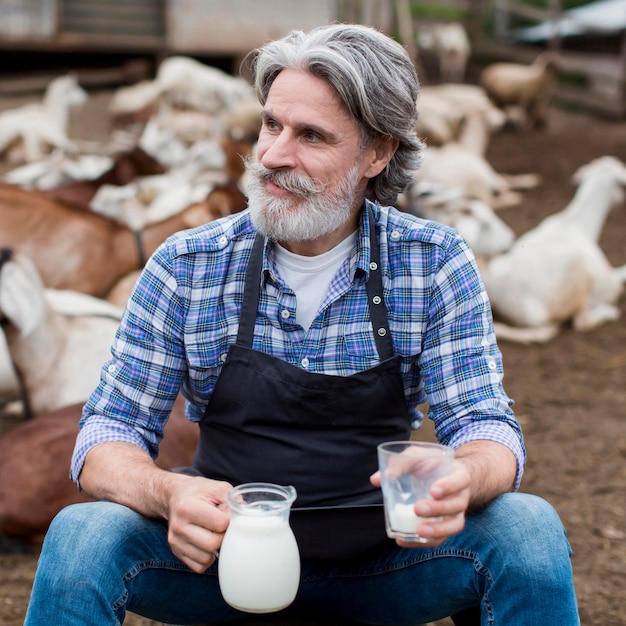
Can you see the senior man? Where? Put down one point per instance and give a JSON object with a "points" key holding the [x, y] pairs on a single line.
{"points": [[303, 332]]}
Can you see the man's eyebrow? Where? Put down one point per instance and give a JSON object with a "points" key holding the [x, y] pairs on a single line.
{"points": [[323, 131]]}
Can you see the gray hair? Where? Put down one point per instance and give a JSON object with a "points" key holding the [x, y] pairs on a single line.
{"points": [[374, 77]]}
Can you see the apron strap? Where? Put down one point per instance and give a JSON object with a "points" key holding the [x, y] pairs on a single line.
{"points": [[375, 299], [252, 290], [374, 287]]}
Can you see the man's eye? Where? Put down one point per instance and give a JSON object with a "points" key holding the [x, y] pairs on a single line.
{"points": [[312, 136]]}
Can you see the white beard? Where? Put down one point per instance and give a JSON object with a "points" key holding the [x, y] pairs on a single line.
{"points": [[314, 211]]}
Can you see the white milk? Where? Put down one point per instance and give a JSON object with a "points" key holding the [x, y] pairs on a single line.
{"points": [[259, 564], [403, 518]]}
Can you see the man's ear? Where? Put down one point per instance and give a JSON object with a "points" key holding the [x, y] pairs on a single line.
{"points": [[382, 150]]}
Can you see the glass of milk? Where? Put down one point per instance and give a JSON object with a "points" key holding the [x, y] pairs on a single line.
{"points": [[407, 471], [259, 561]]}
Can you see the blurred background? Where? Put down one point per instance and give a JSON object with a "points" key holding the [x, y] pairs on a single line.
{"points": [[114, 41]]}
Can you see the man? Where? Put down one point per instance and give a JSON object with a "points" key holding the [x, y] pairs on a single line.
{"points": [[304, 332]]}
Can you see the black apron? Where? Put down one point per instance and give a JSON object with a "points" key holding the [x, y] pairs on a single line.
{"points": [[270, 421]]}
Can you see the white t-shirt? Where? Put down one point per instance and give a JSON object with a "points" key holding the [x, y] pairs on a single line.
{"points": [[310, 276]]}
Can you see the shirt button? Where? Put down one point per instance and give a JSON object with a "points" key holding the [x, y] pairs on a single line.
{"points": [[285, 314], [223, 358], [222, 240], [395, 234], [491, 365], [305, 362], [112, 369]]}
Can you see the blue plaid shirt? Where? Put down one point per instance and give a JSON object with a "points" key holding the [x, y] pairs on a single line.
{"points": [[183, 316]]}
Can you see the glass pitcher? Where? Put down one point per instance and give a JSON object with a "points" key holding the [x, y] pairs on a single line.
{"points": [[259, 561]]}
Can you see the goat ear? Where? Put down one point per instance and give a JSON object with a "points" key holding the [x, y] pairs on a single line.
{"points": [[21, 294]]}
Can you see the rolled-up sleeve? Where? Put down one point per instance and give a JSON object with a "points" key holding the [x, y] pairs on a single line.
{"points": [[461, 363], [100, 430], [139, 384]]}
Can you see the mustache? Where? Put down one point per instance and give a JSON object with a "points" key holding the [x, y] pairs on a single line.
{"points": [[298, 184]]}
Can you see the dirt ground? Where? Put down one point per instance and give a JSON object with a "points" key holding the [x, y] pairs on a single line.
{"points": [[570, 393]]}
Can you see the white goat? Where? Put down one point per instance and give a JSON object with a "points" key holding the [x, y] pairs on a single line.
{"points": [[58, 169], [153, 199], [185, 83], [556, 272], [42, 126], [195, 85], [486, 234], [444, 110], [461, 165], [243, 121], [454, 167], [440, 120], [134, 100], [58, 356], [522, 89], [452, 46], [468, 99]]}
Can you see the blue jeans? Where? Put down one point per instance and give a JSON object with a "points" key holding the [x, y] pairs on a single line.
{"points": [[101, 559]]}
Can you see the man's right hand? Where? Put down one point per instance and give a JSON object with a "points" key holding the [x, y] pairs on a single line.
{"points": [[198, 517], [194, 507]]}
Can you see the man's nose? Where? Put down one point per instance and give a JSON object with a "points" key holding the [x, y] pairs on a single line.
{"points": [[280, 152]]}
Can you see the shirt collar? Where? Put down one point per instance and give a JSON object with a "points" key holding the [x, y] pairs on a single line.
{"points": [[360, 260]]}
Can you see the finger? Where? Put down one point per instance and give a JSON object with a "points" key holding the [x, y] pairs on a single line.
{"points": [[198, 561], [197, 550], [195, 543], [451, 505], [455, 482], [440, 530], [434, 533], [375, 479]]}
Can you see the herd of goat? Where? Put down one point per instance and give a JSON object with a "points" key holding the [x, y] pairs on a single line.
{"points": [[78, 220]]}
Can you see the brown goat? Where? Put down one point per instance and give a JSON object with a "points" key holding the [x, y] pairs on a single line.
{"points": [[528, 87], [81, 250], [35, 459]]}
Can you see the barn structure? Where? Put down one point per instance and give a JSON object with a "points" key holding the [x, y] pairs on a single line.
{"points": [[147, 31], [591, 39]]}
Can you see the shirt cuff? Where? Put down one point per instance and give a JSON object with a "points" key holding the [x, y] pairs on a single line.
{"points": [[493, 430], [98, 430]]}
